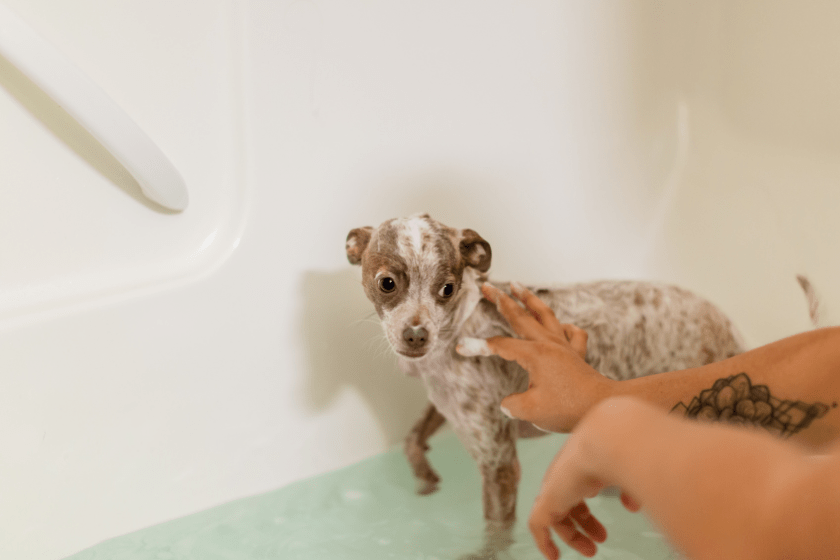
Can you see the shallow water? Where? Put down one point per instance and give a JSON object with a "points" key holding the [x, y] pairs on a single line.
{"points": [[369, 511]]}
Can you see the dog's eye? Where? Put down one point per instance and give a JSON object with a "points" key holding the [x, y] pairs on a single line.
{"points": [[387, 284], [447, 290]]}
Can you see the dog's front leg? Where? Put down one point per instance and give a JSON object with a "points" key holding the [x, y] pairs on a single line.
{"points": [[499, 484], [416, 447], [500, 473]]}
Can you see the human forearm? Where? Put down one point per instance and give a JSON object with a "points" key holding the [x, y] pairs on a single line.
{"points": [[798, 377]]}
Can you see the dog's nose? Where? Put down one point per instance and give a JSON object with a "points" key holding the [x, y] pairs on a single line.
{"points": [[415, 337]]}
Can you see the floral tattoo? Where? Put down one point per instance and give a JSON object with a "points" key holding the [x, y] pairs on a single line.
{"points": [[736, 400]]}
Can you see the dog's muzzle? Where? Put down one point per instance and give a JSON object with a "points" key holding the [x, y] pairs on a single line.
{"points": [[415, 338]]}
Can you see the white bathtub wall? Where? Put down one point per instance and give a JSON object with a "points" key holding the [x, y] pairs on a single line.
{"points": [[757, 200], [156, 364]]}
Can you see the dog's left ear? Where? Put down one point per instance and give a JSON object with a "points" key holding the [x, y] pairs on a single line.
{"points": [[357, 242], [475, 250]]}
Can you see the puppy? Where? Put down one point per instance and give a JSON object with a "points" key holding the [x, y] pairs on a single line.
{"points": [[423, 278]]}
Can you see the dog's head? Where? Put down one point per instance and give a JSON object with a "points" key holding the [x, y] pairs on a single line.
{"points": [[420, 276]]}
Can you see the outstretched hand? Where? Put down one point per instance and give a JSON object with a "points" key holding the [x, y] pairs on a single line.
{"points": [[562, 386], [574, 476]]}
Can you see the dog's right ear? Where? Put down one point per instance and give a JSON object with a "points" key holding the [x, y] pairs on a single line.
{"points": [[357, 242]]}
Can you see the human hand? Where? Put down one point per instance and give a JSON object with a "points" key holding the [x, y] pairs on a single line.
{"points": [[562, 386], [572, 477]]}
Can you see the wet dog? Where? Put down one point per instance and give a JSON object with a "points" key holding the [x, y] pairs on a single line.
{"points": [[424, 280]]}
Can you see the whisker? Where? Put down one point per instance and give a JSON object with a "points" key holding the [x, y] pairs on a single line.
{"points": [[366, 319], [385, 349], [379, 346]]}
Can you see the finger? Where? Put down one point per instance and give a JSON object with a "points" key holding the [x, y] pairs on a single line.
{"points": [[581, 514], [521, 406], [577, 338], [471, 347], [511, 349], [593, 488], [542, 537], [565, 528], [537, 307], [521, 320], [630, 503]]}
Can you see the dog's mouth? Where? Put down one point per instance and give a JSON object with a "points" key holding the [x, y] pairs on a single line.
{"points": [[412, 353]]}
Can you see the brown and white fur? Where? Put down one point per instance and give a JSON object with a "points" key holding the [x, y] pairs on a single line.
{"points": [[423, 279]]}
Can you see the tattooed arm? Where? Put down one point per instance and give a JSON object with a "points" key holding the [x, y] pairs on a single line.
{"points": [[790, 387]]}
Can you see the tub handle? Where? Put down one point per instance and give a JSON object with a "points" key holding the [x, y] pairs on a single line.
{"points": [[83, 100]]}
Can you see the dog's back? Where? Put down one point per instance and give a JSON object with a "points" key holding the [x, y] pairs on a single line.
{"points": [[639, 328], [634, 328]]}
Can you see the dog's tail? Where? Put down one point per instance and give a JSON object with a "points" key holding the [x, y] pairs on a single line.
{"points": [[812, 299]]}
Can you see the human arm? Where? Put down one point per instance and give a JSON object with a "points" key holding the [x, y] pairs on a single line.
{"points": [[716, 491], [803, 369]]}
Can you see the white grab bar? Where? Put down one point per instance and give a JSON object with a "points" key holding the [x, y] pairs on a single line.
{"points": [[83, 100]]}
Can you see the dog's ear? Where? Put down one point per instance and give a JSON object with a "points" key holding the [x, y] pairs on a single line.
{"points": [[475, 250], [357, 242]]}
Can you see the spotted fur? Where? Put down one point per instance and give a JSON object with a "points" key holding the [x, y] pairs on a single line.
{"points": [[634, 328]]}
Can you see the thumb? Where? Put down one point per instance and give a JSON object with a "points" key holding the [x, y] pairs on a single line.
{"points": [[518, 405], [629, 502]]}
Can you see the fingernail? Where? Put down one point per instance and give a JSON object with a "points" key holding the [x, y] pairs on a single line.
{"points": [[517, 288], [473, 347], [506, 412]]}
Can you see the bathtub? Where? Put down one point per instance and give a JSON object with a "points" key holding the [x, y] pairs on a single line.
{"points": [[155, 364]]}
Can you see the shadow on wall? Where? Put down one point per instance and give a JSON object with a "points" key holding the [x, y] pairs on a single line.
{"points": [[346, 347]]}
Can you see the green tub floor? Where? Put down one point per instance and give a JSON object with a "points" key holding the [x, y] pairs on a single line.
{"points": [[369, 511]]}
